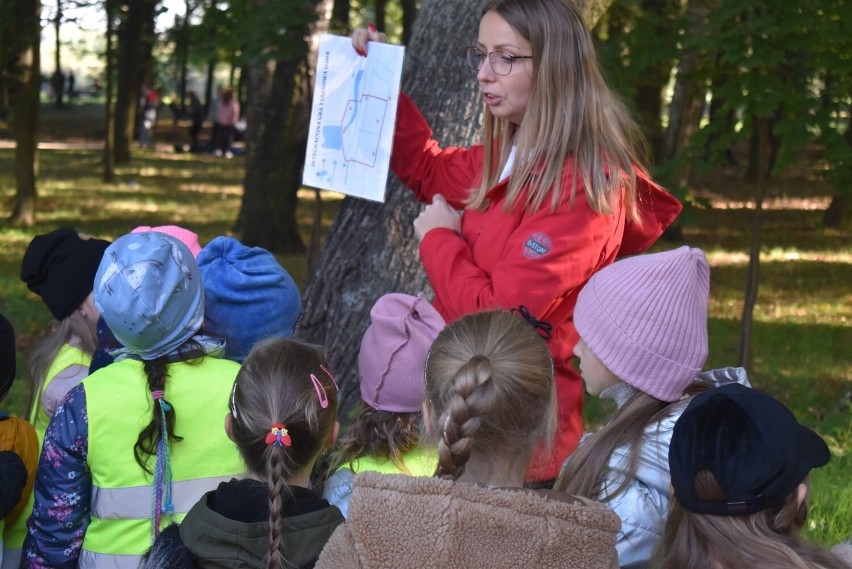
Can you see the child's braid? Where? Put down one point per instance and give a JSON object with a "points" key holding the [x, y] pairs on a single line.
{"points": [[467, 403], [276, 474]]}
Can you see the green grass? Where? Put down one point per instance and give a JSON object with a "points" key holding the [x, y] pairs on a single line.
{"points": [[803, 319]]}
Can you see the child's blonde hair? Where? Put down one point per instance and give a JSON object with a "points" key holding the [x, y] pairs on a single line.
{"points": [[45, 352], [490, 389], [584, 473], [767, 538], [282, 382]]}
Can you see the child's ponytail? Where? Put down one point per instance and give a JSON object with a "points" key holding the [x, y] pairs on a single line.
{"points": [[283, 410], [154, 440], [276, 474], [490, 391], [462, 418]]}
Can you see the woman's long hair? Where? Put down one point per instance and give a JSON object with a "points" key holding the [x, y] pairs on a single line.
{"points": [[282, 382], [586, 470], [489, 382], [381, 434], [571, 112], [768, 538]]}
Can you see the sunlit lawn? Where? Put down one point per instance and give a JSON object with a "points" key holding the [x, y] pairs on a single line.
{"points": [[803, 327]]}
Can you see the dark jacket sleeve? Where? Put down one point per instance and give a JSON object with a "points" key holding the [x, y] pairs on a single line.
{"points": [[169, 552], [13, 479], [63, 489]]}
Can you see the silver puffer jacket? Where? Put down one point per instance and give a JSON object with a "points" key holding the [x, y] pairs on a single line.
{"points": [[644, 504]]}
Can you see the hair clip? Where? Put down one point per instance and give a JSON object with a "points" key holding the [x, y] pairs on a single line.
{"points": [[323, 396], [331, 376], [542, 326], [278, 436], [234, 400]]}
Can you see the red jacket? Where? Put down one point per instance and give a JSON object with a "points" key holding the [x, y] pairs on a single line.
{"points": [[505, 259]]}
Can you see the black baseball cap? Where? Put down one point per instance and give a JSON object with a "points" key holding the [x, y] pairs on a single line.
{"points": [[750, 442]]}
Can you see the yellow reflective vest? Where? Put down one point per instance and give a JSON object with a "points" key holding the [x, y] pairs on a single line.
{"points": [[119, 406], [15, 533], [419, 461]]}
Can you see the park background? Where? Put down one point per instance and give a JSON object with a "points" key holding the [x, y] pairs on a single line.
{"points": [[746, 105]]}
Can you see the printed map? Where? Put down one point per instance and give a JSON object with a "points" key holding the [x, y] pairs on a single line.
{"points": [[352, 118]]}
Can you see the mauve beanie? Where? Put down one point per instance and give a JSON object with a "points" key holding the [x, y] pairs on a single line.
{"points": [[393, 352], [645, 318]]}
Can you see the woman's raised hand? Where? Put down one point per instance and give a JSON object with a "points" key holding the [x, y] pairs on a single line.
{"points": [[360, 37]]}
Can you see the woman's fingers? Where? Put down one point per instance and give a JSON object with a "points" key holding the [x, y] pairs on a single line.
{"points": [[360, 37]]}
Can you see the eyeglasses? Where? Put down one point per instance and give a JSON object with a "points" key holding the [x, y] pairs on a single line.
{"points": [[501, 61]]}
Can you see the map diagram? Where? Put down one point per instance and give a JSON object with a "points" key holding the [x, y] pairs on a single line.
{"points": [[352, 118]]}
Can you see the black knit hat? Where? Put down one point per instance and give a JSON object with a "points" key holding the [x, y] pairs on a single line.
{"points": [[60, 267], [7, 356], [750, 442]]}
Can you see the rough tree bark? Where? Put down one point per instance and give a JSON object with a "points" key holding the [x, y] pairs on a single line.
{"points": [[370, 250], [277, 117], [25, 108]]}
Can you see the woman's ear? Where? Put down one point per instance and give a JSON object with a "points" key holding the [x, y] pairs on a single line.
{"points": [[229, 425], [332, 436]]}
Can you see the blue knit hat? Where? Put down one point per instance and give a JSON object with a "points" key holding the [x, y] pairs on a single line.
{"points": [[250, 296], [149, 292]]}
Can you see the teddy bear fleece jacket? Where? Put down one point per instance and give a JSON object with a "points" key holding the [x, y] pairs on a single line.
{"points": [[398, 521]]}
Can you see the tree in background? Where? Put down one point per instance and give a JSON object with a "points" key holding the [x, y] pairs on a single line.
{"points": [[277, 59], [135, 42], [370, 249], [21, 55]]}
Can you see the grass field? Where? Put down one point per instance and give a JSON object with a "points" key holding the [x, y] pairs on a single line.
{"points": [[803, 319]]}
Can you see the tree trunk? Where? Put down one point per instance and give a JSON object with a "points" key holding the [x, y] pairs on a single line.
{"points": [[650, 84], [109, 139], [409, 13], [132, 43], [687, 101], [370, 249], [380, 14], [26, 83], [339, 17], [8, 31], [58, 76], [762, 126], [277, 117]]}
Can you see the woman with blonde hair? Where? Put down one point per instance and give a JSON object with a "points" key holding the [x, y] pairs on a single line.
{"points": [[739, 468], [555, 192], [490, 400]]}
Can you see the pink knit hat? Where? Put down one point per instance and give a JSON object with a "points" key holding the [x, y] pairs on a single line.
{"points": [[645, 318], [393, 352], [185, 236]]}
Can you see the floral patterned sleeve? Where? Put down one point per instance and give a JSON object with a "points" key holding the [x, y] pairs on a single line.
{"points": [[63, 488]]}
